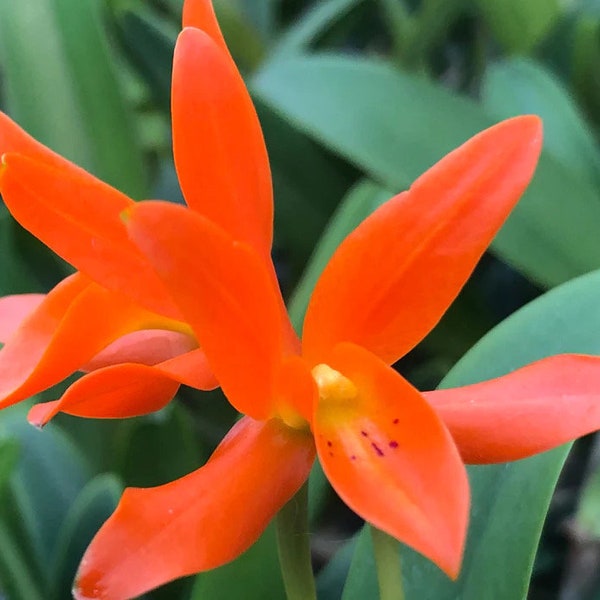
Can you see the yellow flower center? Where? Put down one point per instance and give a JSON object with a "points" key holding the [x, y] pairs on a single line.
{"points": [[333, 386]]}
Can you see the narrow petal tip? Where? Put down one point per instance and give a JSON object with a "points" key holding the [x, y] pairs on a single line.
{"points": [[41, 414]]}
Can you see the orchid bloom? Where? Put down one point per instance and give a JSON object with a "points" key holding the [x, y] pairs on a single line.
{"points": [[181, 293]]}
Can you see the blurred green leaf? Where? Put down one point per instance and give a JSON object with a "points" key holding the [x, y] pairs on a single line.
{"points": [[91, 508], [394, 126], [158, 448], [331, 578], [9, 455], [61, 85], [15, 273], [262, 14], [314, 24], [149, 41], [520, 86], [242, 33], [503, 533], [16, 578], [584, 60], [369, 112], [255, 575], [552, 234], [587, 516], [586, 7], [362, 573], [307, 182], [48, 476], [519, 25]]}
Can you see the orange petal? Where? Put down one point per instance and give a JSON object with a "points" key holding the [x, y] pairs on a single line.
{"points": [[146, 347], [219, 150], [390, 458], [14, 309], [201, 521], [75, 321], [116, 392], [392, 279], [533, 409], [201, 14], [226, 295], [79, 217]]}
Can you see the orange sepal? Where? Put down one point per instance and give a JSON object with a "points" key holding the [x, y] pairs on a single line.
{"points": [[391, 459], [116, 392], [75, 321], [79, 218], [14, 309], [225, 293], [391, 280], [201, 14], [540, 406], [201, 521], [219, 150]]}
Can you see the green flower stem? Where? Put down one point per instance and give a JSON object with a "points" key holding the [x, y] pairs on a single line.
{"points": [[387, 559], [293, 542]]}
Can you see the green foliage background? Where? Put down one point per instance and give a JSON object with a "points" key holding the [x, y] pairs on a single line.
{"points": [[356, 98]]}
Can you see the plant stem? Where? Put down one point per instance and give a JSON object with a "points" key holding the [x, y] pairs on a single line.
{"points": [[293, 542], [387, 559]]}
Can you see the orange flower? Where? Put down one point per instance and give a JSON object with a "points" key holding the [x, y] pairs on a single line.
{"points": [[135, 344], [204, 273]]}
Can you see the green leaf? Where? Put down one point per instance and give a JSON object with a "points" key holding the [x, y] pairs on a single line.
{"points": [[253, 576], [521, 86], [91, 508], [48, 476], [17, 581], [243, 35], [519, 25], [509, 501], [587, 516], [367, 112], [26, 265], [331, 578], [158, 448], [262, 15], [61, 85], [17, 276], [318, 19], [9, 455], [552, 234], [149, 42], [307, 182]]}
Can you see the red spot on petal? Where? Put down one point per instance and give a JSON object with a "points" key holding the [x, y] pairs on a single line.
{"points": [[396, 421], [393, 444], [377, 449], [364, 433], [329, 443], [353, 457]]}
